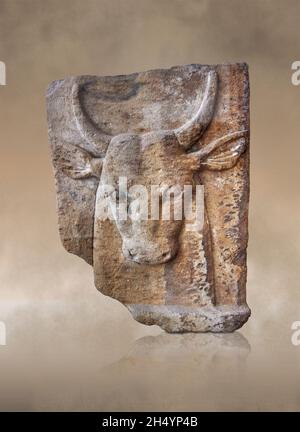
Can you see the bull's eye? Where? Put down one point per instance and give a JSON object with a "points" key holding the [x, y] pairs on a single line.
{"points": [[106, 195]]}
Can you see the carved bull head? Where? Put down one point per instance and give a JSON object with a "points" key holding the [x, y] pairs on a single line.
{"points": [[153, 158]]}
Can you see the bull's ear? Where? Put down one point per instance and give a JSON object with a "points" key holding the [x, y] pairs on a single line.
{"points": [[225, 158], [79, 164]]}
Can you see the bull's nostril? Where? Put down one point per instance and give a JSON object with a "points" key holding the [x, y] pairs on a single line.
{"points": [[131, 253]]}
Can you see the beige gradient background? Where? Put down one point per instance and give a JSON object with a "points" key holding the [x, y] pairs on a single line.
{"points": [[68, 346]]}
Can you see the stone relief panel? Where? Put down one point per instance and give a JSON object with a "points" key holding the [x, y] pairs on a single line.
{"points": [[152, 180]]}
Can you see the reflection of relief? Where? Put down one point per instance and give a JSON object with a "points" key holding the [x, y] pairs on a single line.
{"points": [[169, 157], [204, 349]]}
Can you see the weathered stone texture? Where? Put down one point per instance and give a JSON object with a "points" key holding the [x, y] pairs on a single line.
{"points": [[165, 274]]}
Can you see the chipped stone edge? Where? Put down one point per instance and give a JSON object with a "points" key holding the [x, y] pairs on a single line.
{"points": [[184, 319]]}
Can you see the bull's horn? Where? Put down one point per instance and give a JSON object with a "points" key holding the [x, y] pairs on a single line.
{"points": [[96, 141], [192, 130]]}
